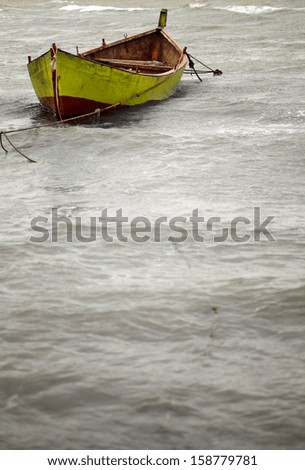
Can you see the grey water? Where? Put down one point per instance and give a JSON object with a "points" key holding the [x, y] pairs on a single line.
{"points": [[162, 344]]}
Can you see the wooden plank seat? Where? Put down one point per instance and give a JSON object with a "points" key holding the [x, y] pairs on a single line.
{"points": [[137, 65]]}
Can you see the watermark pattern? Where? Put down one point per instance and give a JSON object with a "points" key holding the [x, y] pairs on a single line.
{"points": [[141, 229]]}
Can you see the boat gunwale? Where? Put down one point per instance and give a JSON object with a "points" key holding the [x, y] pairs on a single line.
{"points": [[82, 56], [181, 63], [132, 38], [39, 57], [172, 71]]}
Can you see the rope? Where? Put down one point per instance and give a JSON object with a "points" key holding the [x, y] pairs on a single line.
{"points": [[191, 64], [15, 148], [200, 72], [99, 111], [81, 116], [1, 142]]}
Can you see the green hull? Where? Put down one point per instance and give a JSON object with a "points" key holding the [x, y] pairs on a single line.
{"points": [[72, 85]]}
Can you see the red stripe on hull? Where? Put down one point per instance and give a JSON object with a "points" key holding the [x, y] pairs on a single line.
{"points": [[71, 107]]}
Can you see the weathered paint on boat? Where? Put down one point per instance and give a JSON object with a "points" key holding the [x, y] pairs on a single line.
{"points": [[72, 85]]}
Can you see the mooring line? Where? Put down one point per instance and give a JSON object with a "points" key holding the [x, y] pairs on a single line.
{"points": [[81, 116], [16, 149], [99, 111], [191, 64], [40, 126], [1, 142]]}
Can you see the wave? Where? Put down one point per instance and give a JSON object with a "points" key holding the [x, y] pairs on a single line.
{"points": [[250, 9], [73, 7], [198, 5]]}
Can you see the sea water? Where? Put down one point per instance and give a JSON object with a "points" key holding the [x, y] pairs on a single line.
{"points": [[194, 336]]}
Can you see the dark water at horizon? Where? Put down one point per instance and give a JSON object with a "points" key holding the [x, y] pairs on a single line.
{"points": [[157, 345]]}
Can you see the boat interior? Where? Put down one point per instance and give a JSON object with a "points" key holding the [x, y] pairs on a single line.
{"points": [[153, 52]]}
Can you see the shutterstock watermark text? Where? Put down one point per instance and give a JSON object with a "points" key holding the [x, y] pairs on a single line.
{"points": [[116, 226]]}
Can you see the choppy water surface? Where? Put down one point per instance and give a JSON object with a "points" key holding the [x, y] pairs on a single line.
{"points": [[158, 344]]}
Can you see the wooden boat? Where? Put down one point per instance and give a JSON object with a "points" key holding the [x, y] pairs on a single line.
{"points": [[128, 72]]}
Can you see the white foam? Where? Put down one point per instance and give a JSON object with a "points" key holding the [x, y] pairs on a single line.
{"points": [[82, 9], [71, 7], [250, 9], [198, 5]]}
